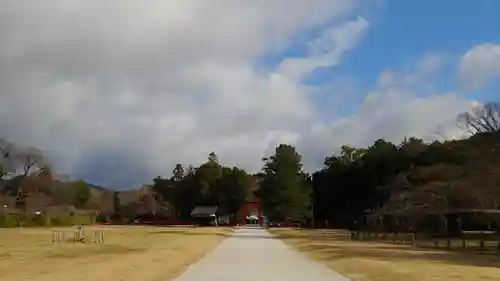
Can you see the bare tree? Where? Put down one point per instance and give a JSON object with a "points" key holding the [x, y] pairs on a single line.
{"points": [[482, 119], [41, 181], [6, 149], [148, 197], [178, 173], [31, 158]]}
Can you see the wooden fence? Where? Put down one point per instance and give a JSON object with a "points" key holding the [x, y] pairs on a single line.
{"points": [[476, 241]]}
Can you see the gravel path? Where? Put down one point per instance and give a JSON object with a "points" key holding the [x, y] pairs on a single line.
{"points": [[256, 255]]}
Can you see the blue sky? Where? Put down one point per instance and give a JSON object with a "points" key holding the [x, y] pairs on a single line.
{"points": [[405, 30], [400, 33]]}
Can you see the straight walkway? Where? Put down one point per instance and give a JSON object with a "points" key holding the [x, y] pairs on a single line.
{"points": [[256, 255]]}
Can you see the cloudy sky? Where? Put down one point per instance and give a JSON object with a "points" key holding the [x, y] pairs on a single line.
{"points": [[118, 91]]}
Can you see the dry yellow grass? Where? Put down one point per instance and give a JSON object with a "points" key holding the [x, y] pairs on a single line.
{"points": [[128, 253], [372, 261]]}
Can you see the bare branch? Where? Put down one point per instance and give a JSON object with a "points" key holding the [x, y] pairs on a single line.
{"points": [[6, 163], [31, 159], [482, 119]]}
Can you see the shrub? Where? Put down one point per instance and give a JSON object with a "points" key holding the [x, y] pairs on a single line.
{"points": [[36, 221], [71, 220], [9, 221]]}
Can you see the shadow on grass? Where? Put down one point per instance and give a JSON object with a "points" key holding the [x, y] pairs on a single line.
{"points": [[337, 245], [237, 235], [90, 251], [189, 232], [383, 253]]}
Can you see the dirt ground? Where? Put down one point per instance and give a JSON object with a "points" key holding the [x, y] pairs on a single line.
{"points": [[374, 261], [128, 253]]}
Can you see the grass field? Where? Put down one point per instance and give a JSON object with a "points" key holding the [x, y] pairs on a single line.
{"points": [[128, 253], [373, 261]]}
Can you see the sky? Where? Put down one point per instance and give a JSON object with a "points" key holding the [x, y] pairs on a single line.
{"points": [[117, 92]]}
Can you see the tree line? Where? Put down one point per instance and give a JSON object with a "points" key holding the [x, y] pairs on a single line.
{"points": [[352, 183], [413, 178], [282, 187]]}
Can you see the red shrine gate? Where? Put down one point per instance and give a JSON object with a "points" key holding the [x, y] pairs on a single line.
{"points": [[250, 213]]}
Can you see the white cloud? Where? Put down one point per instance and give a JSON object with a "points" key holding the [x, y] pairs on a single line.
{"points": [[395, 108], [480, 66], [119, 91], [326, 50]]}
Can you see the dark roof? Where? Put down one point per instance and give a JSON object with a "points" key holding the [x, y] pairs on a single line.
{"points": [[204, 211]]}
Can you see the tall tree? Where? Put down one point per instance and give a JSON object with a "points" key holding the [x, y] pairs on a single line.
{"points": [[285, 193], [231, 190]]}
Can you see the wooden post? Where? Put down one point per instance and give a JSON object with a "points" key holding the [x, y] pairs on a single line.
{"points": [[414, 239], [57, 236], [448, 243], [464, 243], [436, 243], [98, 237]]}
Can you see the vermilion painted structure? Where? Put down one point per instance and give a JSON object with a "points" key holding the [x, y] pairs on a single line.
{"points": [[250, 209]]}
